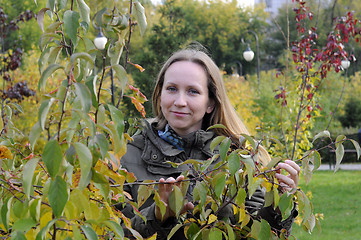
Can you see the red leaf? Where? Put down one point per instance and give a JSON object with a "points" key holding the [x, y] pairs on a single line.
{"points": [[309, 96]]}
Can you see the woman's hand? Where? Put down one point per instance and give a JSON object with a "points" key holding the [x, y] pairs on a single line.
{"points": [[164, 191], [288, 183]]}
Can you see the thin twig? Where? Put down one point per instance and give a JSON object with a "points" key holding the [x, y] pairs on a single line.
{"points": [[100, 88], [303, 87], [127, 47]]}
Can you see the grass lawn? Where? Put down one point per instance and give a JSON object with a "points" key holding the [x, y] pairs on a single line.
{"points": [[338, 197]]}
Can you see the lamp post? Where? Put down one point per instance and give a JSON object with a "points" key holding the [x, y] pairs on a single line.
{"points": [[249, 54], [100, 41], [239, 69], [345, 64]]}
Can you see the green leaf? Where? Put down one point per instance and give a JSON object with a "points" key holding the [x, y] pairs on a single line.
{"points": [[101, 183], [176, 200], [357, 147], [224, 148], [52, 28], [18, 235], [230, 232], [193, 232], [70, 154], [61, 4], [44, 40], [321, 135], [84, 11], [234, 163], [216, 141], [121, 74], [52, 157], [58, 195], [19, 208], [91, 83], [254, 185], [218, 183], [304, 205], [144, 193], [46, 74], [117, 118], [268, 198], [340, 151], [115, 228], [241, 196], [71, 24], [42, 234], [5, 212], [16, 106], [273, 162], [86, 159], [99, 16], [215, 234], [89, 232], [35, 206], [174, 230], [43, 111], [103, 144], [286, 205], [140, 16], [309, 224], [28, 175], [83, 92], [307, 171], [250, 140], [115, 52], [79, 199], [159, 203], [265, 231], [82, 55], [54, 54], [207, 163], [316, 160], [51, 4], [200, 193], [40, 18], [24, 224], [340, 139], [217, 126]]}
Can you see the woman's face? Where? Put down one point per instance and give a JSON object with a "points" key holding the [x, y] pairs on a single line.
{"points": [[184, 97]]}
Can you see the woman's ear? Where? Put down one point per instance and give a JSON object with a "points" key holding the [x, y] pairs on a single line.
{"points": [[211, 105]]}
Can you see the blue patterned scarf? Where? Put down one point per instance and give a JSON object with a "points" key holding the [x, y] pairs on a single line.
{"points": [[170, 136]]}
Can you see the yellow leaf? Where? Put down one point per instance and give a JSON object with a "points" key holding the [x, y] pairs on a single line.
{"points": [[245, 220], [154, 237], [212, 218], [242, 214], [47, 217], [235, 209], [5, 153], [267, 185], [111, 212]]}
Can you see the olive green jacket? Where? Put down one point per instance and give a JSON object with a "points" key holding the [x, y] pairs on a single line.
{"points": [[146, 157]]}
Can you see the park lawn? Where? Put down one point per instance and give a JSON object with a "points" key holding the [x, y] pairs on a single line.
{"points": [[338, 197]]}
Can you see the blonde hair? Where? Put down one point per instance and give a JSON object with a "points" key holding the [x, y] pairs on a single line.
{"points": [[223, 112]]}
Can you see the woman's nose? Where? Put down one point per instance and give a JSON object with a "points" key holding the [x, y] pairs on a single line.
{"points": [[180, 100]]}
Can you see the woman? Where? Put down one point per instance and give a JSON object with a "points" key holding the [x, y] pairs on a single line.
{"points": [[190, 96]]}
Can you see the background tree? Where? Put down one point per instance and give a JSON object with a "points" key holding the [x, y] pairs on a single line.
{"points": [[219, 26]]}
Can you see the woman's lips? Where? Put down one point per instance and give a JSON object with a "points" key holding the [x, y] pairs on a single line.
{"points": [[180, 114]]}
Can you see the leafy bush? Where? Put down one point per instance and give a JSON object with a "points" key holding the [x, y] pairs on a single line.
{"points": [[68, 187]]}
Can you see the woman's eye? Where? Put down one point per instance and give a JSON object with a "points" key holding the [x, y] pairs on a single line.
{"points": [[171, 89], [193, 91]]}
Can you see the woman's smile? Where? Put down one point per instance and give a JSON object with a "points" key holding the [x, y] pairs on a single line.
{"points": [[184, 98]]}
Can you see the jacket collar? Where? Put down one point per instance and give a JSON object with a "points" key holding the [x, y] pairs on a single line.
{"points": [[200, 139]]}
